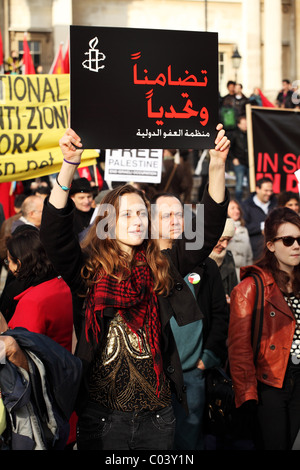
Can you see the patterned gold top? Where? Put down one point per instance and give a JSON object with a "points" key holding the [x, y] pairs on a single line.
{"points": [[123, 375]]}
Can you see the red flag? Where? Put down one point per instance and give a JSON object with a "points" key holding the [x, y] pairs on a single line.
{"points": [[58, 63], [66, 60], [1, 49], [85, 173], [7, 199], [27, 59], [265, 102]]}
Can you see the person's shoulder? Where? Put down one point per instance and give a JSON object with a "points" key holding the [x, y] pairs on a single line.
{"points": [[210, 263], [245, 286], [246, 203], [229, 260], [212, 269], [248, 273]]}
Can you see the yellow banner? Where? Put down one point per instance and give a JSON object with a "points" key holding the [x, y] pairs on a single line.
{"points": [[33, 117]]}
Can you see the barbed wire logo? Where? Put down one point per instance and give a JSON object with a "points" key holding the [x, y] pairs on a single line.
{"points": [[95, 57]]}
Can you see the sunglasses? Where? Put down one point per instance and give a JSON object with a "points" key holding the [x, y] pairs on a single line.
{"points": [[288, 241]]}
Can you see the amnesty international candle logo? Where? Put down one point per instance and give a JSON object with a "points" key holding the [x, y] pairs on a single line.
{"points": [[95, 57], [153, 89]]}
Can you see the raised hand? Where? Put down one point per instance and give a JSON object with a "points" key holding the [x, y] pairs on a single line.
{"points": [[71, 146], [218, 157], [222, 145]]}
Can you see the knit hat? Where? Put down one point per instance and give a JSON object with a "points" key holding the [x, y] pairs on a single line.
{"points": [[80, 185], [229, 229]]}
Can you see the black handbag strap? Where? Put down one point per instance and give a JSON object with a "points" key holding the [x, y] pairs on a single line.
{"points": [[258, 314]]}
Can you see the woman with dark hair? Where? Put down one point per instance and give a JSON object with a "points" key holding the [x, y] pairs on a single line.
{"points": [[125, 340], [269, 388], [26, 257], [289, 199], [44, 304]]}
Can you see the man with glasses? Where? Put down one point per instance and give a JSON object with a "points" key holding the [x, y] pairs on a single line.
{"points": [[201, 344]]}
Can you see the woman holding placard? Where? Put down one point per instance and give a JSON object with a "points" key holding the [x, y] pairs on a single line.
{"points": [[123, 278]]}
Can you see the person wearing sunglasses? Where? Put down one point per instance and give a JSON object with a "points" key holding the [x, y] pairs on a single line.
{"points": [[267, 391]]}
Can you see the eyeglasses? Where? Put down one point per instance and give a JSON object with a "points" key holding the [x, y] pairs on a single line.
{"points": [[288, 241]]}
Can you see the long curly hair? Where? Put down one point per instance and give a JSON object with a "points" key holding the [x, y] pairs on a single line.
{"points": [[268, 261], [104, 255]]}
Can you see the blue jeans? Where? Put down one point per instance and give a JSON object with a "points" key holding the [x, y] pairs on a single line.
{"points": [[102, 429], [189, 428], [240, 172]]}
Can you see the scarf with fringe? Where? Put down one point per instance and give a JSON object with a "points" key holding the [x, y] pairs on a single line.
{"points": [[136, 302]]}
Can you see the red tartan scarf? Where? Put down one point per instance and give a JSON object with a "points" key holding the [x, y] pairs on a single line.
{"points": [[136, 302]]}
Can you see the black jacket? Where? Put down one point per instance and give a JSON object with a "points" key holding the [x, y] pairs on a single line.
{"points": [[287, 100], [253, 216], [228, 273], [65, 253], [239, 146], [210, 295]]}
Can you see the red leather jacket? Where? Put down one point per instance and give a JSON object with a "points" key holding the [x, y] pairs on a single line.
{"points": [[277, 337]]}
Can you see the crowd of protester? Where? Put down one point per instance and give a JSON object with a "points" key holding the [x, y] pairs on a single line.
{"points": [[148, 317]]}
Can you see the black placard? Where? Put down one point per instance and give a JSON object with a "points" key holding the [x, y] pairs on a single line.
{"points": [[275, 146], [140, 88]]}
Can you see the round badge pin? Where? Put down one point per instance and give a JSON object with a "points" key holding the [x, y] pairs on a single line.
{"points": [[194, 278]]}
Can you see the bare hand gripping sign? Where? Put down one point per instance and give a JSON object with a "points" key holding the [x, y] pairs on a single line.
{"points": [[139, 88]]}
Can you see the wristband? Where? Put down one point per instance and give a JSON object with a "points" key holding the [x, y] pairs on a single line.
{"points": [[64, 188], [71, 163]]}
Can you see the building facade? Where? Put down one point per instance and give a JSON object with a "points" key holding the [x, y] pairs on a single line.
{"points": [[265, 32]]}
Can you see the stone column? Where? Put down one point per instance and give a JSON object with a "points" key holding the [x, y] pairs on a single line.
{"points": [[251, 46], [272, 67], [61, 20]]}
